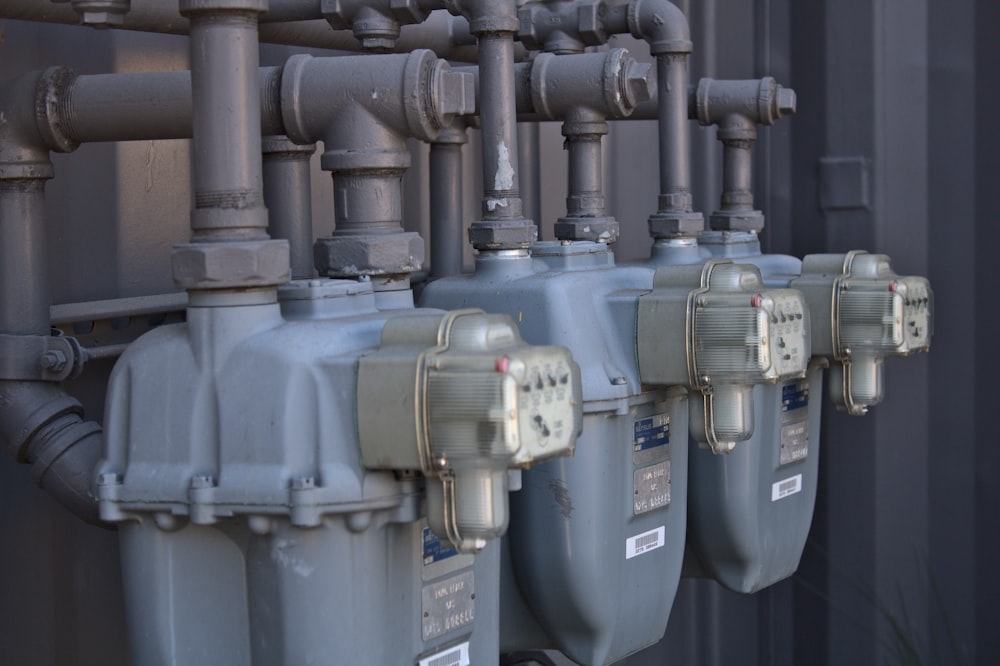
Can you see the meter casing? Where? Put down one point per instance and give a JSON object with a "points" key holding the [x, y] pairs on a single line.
{"points": [[592, 558]]}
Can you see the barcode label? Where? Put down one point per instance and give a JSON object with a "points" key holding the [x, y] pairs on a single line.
{"points": [[789, 486], [453, 656], [645, 542]]}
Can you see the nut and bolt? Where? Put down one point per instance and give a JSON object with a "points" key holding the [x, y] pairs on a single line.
{"points": [[53, 360], [785, 101]]}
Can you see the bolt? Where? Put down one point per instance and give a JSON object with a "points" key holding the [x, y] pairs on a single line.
{"points": [[53, 360], [202, 482], [303, 483], [638, 83], [785, 101], [102, 19], [108, 479]]}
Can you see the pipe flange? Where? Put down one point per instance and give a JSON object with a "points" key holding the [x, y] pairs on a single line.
{"points": [[231, 265], [347, 256]]}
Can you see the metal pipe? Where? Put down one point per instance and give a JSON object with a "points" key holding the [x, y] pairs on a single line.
{"points": [[225, 90], [530, 181], [502, 226], [146, 106], [364, 137], [39, 424], [448, 36], [737, 170], [288, 196], [24, 279], [447, 222], [229, 248]]}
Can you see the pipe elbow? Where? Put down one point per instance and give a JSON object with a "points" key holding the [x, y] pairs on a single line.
{"points": [[499, 16], [44, 427], [661, 24], [64, 467], [29, 125]]}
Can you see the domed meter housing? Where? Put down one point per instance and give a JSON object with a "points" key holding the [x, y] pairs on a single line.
{"points": [[718, 330], [462, 398], [863, 312]]}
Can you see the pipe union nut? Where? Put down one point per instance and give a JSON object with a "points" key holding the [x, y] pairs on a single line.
{"points": [[515, 234], [231, 265], [369, 254], [671, 225]]}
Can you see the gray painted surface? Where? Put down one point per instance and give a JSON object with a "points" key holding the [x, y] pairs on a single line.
{"points": [[908, 498]]}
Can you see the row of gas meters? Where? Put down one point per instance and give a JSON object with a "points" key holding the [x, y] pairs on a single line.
{"points": [[530, 459]]}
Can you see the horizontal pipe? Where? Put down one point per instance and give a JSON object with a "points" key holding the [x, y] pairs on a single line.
{"points": [[146, 106], [448, 36]]}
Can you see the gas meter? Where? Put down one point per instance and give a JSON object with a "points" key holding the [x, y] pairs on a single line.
{"points": [[718, 330], [462, 398], [863, 312]]}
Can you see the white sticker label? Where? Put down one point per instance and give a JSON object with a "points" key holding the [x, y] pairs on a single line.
{"points": [[789, 486], [645, 542], [453, 656]]}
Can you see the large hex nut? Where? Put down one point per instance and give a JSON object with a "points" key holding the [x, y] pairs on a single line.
{"points": [[371, 254], [743, 220], [231, 265], [603, 229], [671, 225], [503, 235]]}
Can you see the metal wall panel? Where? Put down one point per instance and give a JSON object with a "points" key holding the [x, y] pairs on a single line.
{"points": [[901, 563]]}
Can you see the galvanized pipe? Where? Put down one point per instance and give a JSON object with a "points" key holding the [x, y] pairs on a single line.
{"points": [[502, 226], [39, 424], [24, 283], [146, 106], [737, 170], [288, 196], [446, 211], [228, 193], [448, 36]]}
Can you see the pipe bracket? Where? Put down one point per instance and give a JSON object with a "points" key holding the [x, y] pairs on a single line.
{"points": [[47, 358]]}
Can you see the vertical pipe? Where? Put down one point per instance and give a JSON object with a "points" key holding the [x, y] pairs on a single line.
{"points": [[499, 131], [288, 196], [229, 203], [529, 165], [675, 147], [586, 179], [445, 164], [737, 170], [502, 226], [24, 279]]}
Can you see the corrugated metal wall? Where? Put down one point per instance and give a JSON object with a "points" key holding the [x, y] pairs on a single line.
{"points": [[901, 564]]}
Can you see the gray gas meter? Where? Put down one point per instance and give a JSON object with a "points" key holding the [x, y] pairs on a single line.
{"points": [[462, 398], [718, 330], [863, 312]]}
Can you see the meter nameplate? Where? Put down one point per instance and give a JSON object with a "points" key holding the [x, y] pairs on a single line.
{"points": [[649, 434], [434, 550], [652, 487], [794, 443], [448, 605]]}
